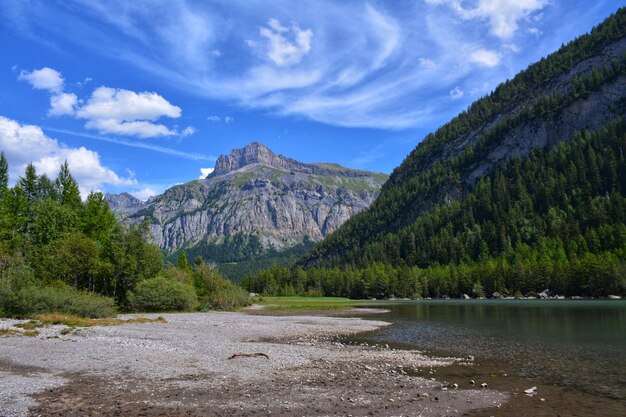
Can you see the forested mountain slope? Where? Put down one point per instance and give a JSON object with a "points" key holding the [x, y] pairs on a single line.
{"points": [[581, 87], [523, 191]]}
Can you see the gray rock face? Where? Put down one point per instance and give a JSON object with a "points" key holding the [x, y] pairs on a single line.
{"points": [[124, 203], [254, 191]]}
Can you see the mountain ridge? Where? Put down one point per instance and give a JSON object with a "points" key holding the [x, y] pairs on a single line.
{"points": [[257, 153], [255, 192]]}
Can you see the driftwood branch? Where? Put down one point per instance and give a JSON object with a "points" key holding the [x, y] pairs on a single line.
{"points": [[249, 355]]}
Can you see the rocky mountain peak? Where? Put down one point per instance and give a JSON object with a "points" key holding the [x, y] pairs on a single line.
{"points": [[124, 202], [256, 153]]}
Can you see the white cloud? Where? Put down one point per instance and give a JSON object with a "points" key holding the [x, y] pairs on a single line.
{"points": [[286, 46], [456, 92], [124, 112], [51, 80], [485, 57], [204, 172], [139, 128], [62, 104], [109, 110], [503, 15], [86, 81], [44, 79], [27, 143], [124, 105], [188, 131], [225, 119]]}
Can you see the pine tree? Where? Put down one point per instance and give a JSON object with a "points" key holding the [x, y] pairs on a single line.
{"points": [[4, 175], [46, 188], [28, 183], [69, 193], [182, 261]]}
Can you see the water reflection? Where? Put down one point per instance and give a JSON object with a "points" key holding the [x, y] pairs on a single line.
{"points": [[577, 344]]}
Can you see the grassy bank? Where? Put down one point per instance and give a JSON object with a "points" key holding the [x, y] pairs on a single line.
{"points": [[307, 303]]}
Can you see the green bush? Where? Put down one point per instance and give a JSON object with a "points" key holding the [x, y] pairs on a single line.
{"points": [[31, 300], [216, 292], [227, 297], [163, 294]]}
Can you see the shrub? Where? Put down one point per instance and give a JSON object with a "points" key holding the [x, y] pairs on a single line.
{"points": [[215, 291], [32, 300], [227, 297], [163, 294]]}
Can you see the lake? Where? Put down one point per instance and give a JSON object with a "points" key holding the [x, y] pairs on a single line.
{"points": [[573, 351]]}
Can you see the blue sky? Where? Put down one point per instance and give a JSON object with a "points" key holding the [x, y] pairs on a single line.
{"points": [[142, 95]]}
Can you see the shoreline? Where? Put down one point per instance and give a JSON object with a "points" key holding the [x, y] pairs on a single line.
{"points": [[182, 367]]}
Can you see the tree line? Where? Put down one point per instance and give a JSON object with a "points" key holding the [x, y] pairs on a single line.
{"points": [[55, 246], [555, 219]]}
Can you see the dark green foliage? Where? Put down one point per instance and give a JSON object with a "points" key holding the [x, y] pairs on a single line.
{"points": [[214, 291], [59, 254], [554, 218], [49, 236], [22, 296], [29, 183], [233, 248], [240, 254], [4, 174], [426, 175], [163, 294], [182, 263], [69, 193]]}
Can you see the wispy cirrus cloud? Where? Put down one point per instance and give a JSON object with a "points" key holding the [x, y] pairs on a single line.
{"points": [[286, 45], [503, 16], [137, 144], [389, 68]]}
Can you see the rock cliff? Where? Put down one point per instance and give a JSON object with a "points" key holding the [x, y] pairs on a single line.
{"points": [[255, 191]]}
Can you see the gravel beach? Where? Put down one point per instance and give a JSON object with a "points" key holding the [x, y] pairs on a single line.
{"points": [[182, 368]]}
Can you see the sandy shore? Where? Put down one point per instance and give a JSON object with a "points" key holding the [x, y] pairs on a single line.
{"points": [[181, 368]]}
